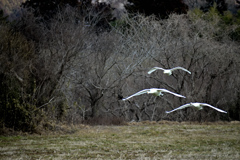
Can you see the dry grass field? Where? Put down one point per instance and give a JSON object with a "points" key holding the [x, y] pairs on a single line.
{"points": [[145, 140]]}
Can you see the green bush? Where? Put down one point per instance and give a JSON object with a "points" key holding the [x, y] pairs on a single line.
{"points": [[16, 107], [219, 24]]}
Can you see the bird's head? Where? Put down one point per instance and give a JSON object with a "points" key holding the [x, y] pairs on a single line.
{"points": [[198, 106], [168, 72], [152, 91]]}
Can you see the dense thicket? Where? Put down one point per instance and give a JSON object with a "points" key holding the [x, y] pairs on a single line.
{"points": [[221, 5], [161, 9], [67, 72], [3, 18], [98, 15], [48, 8]]}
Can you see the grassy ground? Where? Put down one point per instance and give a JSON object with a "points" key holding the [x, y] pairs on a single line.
{"points": [[146, 140]]}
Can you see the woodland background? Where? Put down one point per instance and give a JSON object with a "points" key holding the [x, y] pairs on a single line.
{"points": [[71, 62]]}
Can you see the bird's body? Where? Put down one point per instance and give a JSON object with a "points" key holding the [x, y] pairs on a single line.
{"points": [[168, 71], [198, 106], [154, 91]]}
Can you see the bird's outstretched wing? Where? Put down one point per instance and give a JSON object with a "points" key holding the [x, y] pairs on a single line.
{"points": [[181, 107], [136, 94], [219, 110], [175, 94], [181, 69], [154, 69]]}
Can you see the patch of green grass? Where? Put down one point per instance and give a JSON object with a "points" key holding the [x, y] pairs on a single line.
{"points": [[139, 141]]}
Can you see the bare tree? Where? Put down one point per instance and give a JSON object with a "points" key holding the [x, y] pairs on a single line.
{"points": [[192, 44]]}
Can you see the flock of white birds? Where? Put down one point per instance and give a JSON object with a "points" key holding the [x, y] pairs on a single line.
{"points": [[159, 92]]}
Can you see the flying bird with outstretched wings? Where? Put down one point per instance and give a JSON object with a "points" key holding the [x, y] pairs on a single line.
{"points": [[154, 91], [168, 71], [198, 106]]}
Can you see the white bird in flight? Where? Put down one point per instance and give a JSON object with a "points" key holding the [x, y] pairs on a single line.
{"points": [[197, 105], [168, 71], [154, 91]]}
